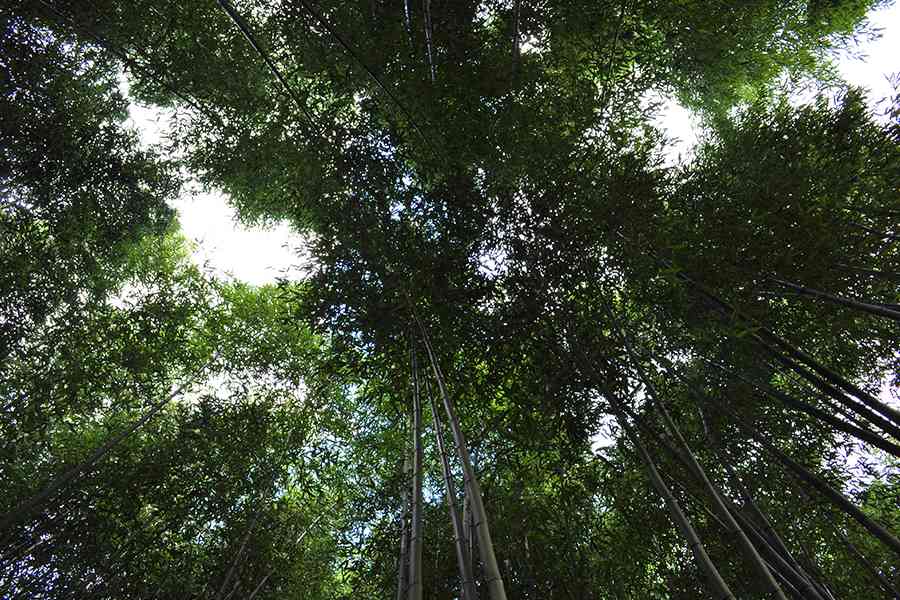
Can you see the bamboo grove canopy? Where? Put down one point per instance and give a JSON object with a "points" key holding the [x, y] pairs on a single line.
{"points": [[530, 356]]}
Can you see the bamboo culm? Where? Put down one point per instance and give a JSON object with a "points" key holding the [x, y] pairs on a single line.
{"points": [[467, 581], [847, 402], [768, 532], [872, 309], [718, 588], [416, 539], [770, 341], [237, 556], [803, 474], [718, 502], [469, 535], [27, 507], [493, 580], [868, 566], [402, 567], [859, 433]]}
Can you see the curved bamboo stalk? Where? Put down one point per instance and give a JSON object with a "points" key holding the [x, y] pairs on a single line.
{"points": [[237, 556], [769, 340], [872, 309], [254, 43], [859, 433], [837, 498]]}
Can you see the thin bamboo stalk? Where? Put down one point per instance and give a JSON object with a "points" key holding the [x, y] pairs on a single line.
{"points": [[717, 586], [838, 499], [27, 507], [402, 560], [416, 540], [873, 309]]}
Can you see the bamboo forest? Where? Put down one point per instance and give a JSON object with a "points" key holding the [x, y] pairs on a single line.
{"points": [[527, 352]]}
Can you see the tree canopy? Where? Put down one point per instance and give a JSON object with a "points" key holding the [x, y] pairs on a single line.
{"points": [[530, 356]]}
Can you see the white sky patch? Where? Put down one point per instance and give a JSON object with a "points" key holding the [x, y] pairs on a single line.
{"points": [[224, 247], [682, 128], [870, 65], [256, 256], [879, 58]]}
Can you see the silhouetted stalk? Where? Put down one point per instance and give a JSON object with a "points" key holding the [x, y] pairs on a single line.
{"points": [[254, 43], [718, 501], [873, 309], [718, 587], [847, 402], [824, 488], [798, 578], [818, 577], [407, 21], [428, 38], [402, 568], [885, 275], [259, 586], [868, 566], [23, 510], [517, 10], [237, 556], [783, 581], [857, 432], [321, 20], [881, 234], [469, 535], [763, 522], [771, 341]]}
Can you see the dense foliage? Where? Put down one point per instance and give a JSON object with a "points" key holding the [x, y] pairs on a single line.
{"points": [[530, 356]]}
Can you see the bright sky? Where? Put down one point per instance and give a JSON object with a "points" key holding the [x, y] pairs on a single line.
{"points": [[227, 248], [259, 256], [874, 62]]}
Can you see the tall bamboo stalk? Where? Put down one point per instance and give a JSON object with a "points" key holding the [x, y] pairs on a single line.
{"points": [[873, 309], [718, 501], [876, 574], [856, 431], [837, 498], [764, 525], [237, 556], [493, 579], [27, 507], [415, 560], [469, 534], [467, 581], [402, 568], [785, 574], [717, 586], [255, 44], [774, 343], [865, 411], [428, 38]]}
